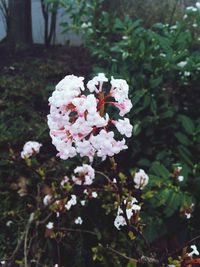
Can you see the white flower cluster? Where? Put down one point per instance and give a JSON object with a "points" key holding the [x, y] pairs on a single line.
{"points": [[141, 179], [131, 208], [78, 120], [84, 175], [30, 148]]}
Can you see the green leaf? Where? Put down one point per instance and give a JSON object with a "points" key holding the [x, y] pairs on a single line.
{"points": [[182, 139], [155, 82], [132, 263], [160, 169], [185, 155], [187, 124], [173, 203]]}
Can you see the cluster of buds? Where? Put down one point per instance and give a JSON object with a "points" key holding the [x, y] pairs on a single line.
{"points": [[79, 121]]}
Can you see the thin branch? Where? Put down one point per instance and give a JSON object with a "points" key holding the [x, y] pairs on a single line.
{"points": [[143, 259], [76, 230]]}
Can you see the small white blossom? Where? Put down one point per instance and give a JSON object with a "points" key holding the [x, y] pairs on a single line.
{"points": [[47, 199], [186, 73], [124, 127], [188, 215], [141, 179], [94, 194], [182, 64], [78, 220], [131, 208], [194, 251], [191, 9], [198, 5], [83, 202], [180, 178], [71, 202], [64, 181], [50, 225], [9, 223], [83, 175], [30, 148]]}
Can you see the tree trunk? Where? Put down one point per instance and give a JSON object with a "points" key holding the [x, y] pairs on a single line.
{"points": [[20, 30]]}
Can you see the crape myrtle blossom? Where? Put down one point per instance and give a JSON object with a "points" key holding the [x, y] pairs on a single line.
{"points": [[79, 122], [30, 148], [131, 208], [141, 179]]}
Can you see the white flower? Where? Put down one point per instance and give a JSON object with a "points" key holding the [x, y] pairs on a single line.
{"points": [[83, 175], [119, 89], [141, 179], [47, 199], [30, 148], [64, 181], [85, 25], [182, 64], [119, 221], [83, 202], [124, 107], [194, 251], [71, 83], [84, 148], [198, 5], [186, 73], [78, 220], [49, 225], [8, 223], [188, 215], [71, 202], [99, 79], [180, 178], [131, 208], [94, 194], [124, 127], [191, 8]]}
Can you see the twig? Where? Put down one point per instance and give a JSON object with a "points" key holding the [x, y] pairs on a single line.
{"points": [[23, 237], [143, 259], [31, 218], [76, 230]]}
